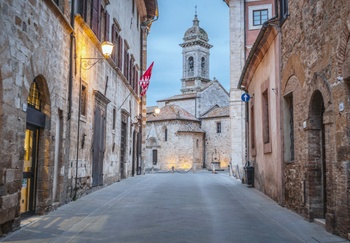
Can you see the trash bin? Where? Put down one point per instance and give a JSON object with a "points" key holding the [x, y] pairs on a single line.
{"points": [[249, 175]]}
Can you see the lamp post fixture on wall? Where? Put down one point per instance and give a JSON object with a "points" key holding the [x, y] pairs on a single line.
{"points": [[156, 111], [87, 63]]}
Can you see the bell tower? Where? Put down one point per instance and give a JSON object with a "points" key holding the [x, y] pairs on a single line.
{"points": [[195, 58]]}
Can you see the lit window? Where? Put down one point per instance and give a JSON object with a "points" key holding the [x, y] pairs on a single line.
{"points": [[34, 96]]}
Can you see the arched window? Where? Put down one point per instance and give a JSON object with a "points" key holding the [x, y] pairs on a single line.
{"points": [[34, 96], [190, 64], [203, 65]]}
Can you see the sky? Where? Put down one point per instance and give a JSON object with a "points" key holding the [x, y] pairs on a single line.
{"points": [[175, 17]]}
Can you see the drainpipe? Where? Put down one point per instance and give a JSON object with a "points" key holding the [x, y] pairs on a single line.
{"points": [[70, 81], [72, 40]]}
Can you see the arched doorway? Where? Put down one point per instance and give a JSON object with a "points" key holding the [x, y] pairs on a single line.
{"points": [[316, 167], [34, 146]]}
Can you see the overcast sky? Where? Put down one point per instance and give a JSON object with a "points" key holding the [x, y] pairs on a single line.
{"points": [[175, 17]]}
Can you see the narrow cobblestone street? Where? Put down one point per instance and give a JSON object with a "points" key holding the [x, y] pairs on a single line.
{"points": [[192, 207]]}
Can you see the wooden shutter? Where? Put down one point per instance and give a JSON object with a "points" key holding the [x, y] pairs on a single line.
{"points": [[107, 19], [120, 53], [114, 41], [95, 17]]}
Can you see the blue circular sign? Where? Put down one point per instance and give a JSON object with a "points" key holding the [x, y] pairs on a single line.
{"points": [[245, 97]]}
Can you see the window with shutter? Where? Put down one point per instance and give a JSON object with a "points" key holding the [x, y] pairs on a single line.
{"points": [[120, 52], [95, 17], [107, 22], [114, 41]]}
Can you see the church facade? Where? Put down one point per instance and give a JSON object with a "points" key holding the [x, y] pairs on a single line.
{"points": [[192, 129]]}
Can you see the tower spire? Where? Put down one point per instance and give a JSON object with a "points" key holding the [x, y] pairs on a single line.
{"points": [[195, 11]]}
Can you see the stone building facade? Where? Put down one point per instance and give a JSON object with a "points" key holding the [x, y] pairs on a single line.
{"points": [[315, 89], [65, 110], [303, 52], [193, 128]]}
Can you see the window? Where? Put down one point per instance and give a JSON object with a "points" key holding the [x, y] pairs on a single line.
{"points": [[131, 73], [114, 118], [288, 128], [190, 64], [95, 18], [252, 130], [126, 60], [154, 156], [166, 134], [203, 65], [123, 138], [133, 7], [107, 23], [259, 16], [117, 54], [265, 114], [95, 15], [83, 98], [218, 127], [136, 78], [34, 100]]}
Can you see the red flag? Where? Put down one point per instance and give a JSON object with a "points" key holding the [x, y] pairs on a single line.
{"points": [[144, 80]]}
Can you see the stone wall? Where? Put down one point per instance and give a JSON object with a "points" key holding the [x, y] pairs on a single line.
{"points": [[217, 143], [35, 40], [315, 49], [183, 150]]}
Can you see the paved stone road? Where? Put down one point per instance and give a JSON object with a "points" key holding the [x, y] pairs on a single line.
{"points": [[200, 207]]}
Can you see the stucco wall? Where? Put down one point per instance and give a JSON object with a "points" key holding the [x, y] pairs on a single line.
{"points": [[266, 161]]}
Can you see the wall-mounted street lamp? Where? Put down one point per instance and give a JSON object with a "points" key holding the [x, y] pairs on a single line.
{"points": [[86, 63], [156, 111]]}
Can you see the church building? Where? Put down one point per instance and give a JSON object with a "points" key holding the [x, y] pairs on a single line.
{"points": [[192, 129]]}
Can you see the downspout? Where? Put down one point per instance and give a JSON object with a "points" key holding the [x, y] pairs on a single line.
{"points": [[72, 40], [70, 81]]}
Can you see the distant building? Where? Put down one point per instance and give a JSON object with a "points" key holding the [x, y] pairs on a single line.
{"points": [[65, 110], [193, 128]]}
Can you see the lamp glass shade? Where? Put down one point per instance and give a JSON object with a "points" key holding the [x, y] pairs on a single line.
{"points": [[157, 111], [107, 48]]}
